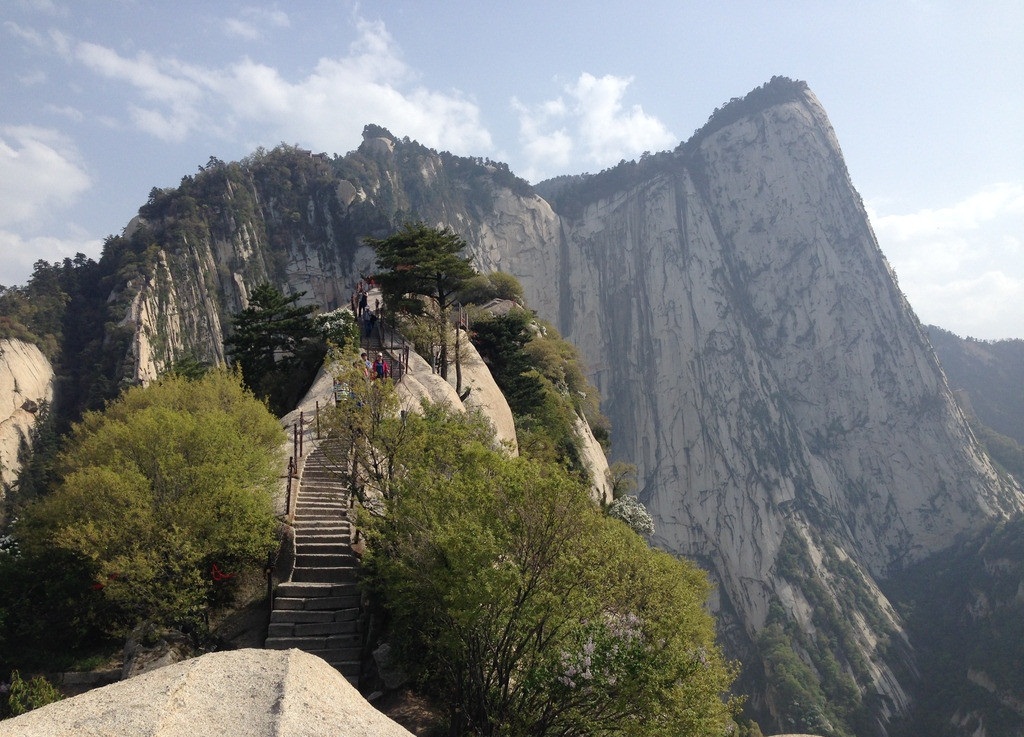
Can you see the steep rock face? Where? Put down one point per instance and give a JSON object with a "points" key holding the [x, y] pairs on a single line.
{"points": [[766, 375], [485, 396], [26, 383]]}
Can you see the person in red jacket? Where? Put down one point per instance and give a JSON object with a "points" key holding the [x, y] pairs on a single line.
{"points": [[381, 369]]}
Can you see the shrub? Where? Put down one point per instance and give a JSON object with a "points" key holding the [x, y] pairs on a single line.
{"points": [[24, 696]]}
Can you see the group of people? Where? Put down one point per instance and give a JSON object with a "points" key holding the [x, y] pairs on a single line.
{"points": [[378, 369]]}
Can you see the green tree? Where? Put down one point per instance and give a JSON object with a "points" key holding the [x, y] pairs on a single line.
{"points": [[419, 262], [501, 340], [528, 612], [169, 481], [482, 288], [276, 345], [366, 424]]}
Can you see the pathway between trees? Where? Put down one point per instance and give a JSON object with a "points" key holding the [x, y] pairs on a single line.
{"points": [[318, 609]]}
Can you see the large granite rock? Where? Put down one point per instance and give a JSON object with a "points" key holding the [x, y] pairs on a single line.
{"points": [[26, 383], [255, 693]]}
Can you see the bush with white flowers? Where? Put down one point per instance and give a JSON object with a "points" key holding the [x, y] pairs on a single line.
{"points": [[633, 513]]}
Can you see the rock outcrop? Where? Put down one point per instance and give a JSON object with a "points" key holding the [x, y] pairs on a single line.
{"points": [[26, 386], [276, 693]]}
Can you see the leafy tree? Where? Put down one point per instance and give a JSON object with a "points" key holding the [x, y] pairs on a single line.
{"points": [[542, 377], [501, 340], [337, 328], [366, 424], [167, 482], [275, 344], [419, 262], [621, 477], [483, 288], [527, 611]]}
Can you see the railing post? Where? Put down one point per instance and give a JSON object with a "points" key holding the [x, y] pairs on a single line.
{"points": [[295, 440], [288, 493], [318, 419], [302, 431], [269, 570]]}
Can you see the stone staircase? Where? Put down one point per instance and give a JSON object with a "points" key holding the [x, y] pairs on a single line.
{"points": [[318, 609]]}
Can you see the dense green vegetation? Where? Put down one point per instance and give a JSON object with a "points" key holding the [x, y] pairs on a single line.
{"points": [[514, 602], [163, 498], [965, 616], [542, 376]]}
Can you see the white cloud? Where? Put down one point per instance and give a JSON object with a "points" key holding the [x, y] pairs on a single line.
{"points": [[66, 111], [326, 110], [167, 83], [962, 266], [253, 21], [39, 169], [545, 150], [242, 29], [588, 121], [28, 35], [607, 130], [18, 253]]}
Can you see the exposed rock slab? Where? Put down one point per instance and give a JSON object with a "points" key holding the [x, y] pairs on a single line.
{"points": [[485, 396], [26, 383], [257, 693]]}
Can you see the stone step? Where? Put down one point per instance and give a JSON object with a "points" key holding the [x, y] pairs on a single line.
{"points": [[314, 536], [324, 530], [306, 516], [312, 629], [340, 574], [319, 609], [320, 524], [326, 560], [308, 590], [323, 498], [348, 643], [303, 616], [324, 544], [316, 545], [313, 513]]}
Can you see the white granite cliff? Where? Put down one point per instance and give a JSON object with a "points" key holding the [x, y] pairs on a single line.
{"points": [[26, 384], [761, 367]]}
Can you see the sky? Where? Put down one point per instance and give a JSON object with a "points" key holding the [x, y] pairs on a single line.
{"points": [[102, 100]]}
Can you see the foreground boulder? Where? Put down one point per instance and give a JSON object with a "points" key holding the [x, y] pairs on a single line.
{"points": [[279, 693]]}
